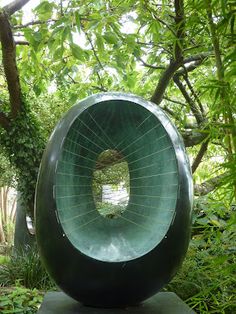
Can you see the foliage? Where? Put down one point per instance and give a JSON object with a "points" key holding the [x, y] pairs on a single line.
{"points": [[24, 145], [184, 60], [110, 210], [114, 175], [7, 171], [26, 268], [20, 300], [72, 50], [207, 279], [4, 259], [48, 108]]}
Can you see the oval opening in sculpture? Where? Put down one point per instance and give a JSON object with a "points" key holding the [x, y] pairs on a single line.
{"points": [[111, 184]]}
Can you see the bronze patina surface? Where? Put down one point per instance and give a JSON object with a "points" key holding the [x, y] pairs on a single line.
{"points": [[114, 262]]}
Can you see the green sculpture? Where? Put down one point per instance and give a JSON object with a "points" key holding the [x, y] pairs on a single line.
{"points": [[129, 252]]}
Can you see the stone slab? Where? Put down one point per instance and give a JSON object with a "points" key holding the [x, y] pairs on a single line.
{"points": [[161, 303]]}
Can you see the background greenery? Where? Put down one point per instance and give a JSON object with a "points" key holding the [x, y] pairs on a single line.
{"points": [[181, 54]]}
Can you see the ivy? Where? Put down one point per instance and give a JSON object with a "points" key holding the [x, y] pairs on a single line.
{"points": [[23, 145]]}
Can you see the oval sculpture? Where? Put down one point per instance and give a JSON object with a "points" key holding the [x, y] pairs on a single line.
{"points": [[97, 260]]}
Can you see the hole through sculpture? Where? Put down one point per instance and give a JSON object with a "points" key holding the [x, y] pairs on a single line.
{"points": [[113, 201], [111, 184]]}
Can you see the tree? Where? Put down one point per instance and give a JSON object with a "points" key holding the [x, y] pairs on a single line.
{"points": [[7, 211], [180, 54]]}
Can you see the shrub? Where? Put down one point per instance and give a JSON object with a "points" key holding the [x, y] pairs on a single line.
{"points": [[26, 268], [20, 300], [207, 279]]}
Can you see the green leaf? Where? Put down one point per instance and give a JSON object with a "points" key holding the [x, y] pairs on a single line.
{"points": [[77, 52], [223, 6], [66, 33], [44, 10], [77, 20], [130, 39], [34, 57], [37, 90], [100, 43], [57, 30], [5, 302], [110, 38], [73, 98], [34, 38], [155, 30], [137, 51], [120, 61], [37, 36]]}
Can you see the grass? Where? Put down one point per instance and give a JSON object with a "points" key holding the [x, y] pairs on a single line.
{"points": [[207, 283], [25, 268], [4, 259]]}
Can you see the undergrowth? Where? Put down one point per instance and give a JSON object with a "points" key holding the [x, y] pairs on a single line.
{"points": [[207, 278], [27, 269], [20, 300]]}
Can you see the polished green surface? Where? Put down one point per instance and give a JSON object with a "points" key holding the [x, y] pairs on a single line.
{"points": [[143, 141]]}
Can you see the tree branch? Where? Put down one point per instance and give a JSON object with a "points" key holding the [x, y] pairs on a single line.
{"points": [[200, 155], [152, 44], [194, 94], [165, 24], [174, 101], [155, 67], [97, 58], [9, 64], [192, 138], [188, 68], [164, 80], [209, 185], [178, 57], [200, 56], [14, 6], [94, 50], [22, 42], [171, 113], [38, 22], [153, 14], [197, 114], [101, 89]]}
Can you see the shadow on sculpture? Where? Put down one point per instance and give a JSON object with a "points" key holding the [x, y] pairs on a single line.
{"points": [[102, 247]]}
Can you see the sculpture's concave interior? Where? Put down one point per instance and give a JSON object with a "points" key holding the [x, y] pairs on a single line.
{"points": [[138, 136]]}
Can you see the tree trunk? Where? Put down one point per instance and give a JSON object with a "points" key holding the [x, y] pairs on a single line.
{"points": [[2, 234]]}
